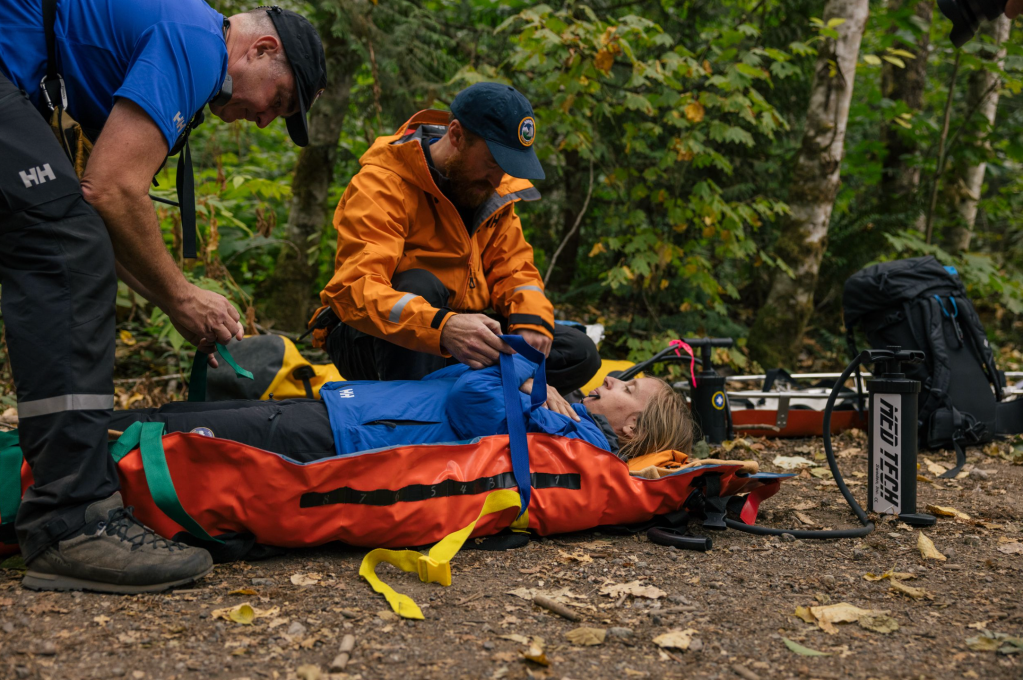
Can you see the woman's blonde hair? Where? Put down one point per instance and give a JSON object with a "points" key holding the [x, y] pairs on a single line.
{"points": [[664, 424]]}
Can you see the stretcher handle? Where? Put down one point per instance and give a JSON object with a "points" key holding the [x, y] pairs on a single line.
{"points": [[678, 539]]}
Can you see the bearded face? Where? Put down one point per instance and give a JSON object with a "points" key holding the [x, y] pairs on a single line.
{"points": [[469, 183]]}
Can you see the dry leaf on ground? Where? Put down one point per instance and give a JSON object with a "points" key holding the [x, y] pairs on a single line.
{"points": [[842, 612], [676, 639], [574, 557], [586, 637], [995, 642], [935, 468], [901, 575], [793, 462], [535, 652], [804, 614], [946, 511], [927, 549], [243, 591], [521, 639], [634, 588], [1014, 548], [243, 613], [310, 579], [879, 622], [915, 593]]}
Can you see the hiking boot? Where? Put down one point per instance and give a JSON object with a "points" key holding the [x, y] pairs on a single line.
{"points": [[115, 553]]}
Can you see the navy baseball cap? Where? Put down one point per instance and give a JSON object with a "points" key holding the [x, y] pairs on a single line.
{"points": [[304, 50], [503, 117]]}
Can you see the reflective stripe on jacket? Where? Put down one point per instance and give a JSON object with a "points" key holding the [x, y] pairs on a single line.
{"points": [[393, 217]]}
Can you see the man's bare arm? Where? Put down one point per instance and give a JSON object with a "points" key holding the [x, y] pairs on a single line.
{"points": [[126, 156]]}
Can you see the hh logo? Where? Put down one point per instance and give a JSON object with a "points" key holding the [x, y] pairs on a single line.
{"points": [[179, 122], [346, 393], [36, 175]]}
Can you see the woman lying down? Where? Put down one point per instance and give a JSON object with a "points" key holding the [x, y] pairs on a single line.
{"points": [[642, 421]]}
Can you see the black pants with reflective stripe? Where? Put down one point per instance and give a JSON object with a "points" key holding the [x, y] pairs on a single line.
{"points": [[359, 356], [57, 300]]}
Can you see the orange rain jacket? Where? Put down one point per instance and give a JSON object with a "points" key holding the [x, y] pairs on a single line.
{"points": [[393, 217]]}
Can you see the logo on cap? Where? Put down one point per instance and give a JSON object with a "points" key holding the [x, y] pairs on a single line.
{"points": [[527, 131]]}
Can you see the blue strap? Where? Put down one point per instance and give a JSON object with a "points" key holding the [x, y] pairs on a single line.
{"points": [[513, 408], [955, 307], [942, 305], [197, 378]]}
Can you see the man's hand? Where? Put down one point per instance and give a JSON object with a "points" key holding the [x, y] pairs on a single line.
{"points": [[473, 340], [205, 318], [1013, 8], [538, 340]]}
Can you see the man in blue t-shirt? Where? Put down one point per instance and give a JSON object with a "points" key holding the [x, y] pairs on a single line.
{"points": [[134, 75]]}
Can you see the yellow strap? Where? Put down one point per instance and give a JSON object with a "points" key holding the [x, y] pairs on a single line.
{"points": [[435, 567]]}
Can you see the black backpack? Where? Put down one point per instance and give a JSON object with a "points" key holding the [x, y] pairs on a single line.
{"points": [[919, 304]]}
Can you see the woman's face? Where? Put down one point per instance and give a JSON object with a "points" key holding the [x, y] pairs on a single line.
{"points": [[621, 401]]}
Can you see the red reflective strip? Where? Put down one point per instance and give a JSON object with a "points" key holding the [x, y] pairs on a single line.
{"points": [[753, 500]]}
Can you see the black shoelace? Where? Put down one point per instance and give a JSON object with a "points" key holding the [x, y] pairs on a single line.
{"points": [[120, 521]]}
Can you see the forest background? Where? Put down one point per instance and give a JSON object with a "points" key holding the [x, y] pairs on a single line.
{"points": [[713, 168]]}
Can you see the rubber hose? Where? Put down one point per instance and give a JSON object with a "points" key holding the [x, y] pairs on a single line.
{"points": [[868, 526]]}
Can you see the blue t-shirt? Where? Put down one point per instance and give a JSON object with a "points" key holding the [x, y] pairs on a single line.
{"points": [[167, 56]]}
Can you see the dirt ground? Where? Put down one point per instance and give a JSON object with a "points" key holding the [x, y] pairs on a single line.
{"points": [[734, 607]]}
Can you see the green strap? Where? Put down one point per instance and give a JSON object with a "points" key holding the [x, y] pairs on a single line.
{"points": [[149, 438], [10, 476], [197, 379]]}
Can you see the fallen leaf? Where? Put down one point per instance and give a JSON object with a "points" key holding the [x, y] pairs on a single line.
{"points": [[934, 468], [586, 637], [915, 593], [521, 639], [101, 620], [310, 579], [995, 642], [901, 575], [243, 591], [535, 652], [1015, 548], [243, 613], [822, 473], [927, 549], [842, 612], [793, 462], [309, 672], [676, 639], [944, 511], [804, 614], [574, 557], [879, 622], [634, 588], [800, 649], [923, 478]]}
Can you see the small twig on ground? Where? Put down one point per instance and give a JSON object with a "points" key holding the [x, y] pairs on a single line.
{"points": [[159, 378], [556, 607], [341, 660], [744, 673]]}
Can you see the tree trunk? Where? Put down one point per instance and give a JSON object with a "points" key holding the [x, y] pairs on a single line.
{"points": [[777, 334], [982, 97], [575, 194], [291, 298], [901, 177]]}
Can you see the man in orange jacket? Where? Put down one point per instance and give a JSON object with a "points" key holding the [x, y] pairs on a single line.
{"points": [[428, 240]]}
